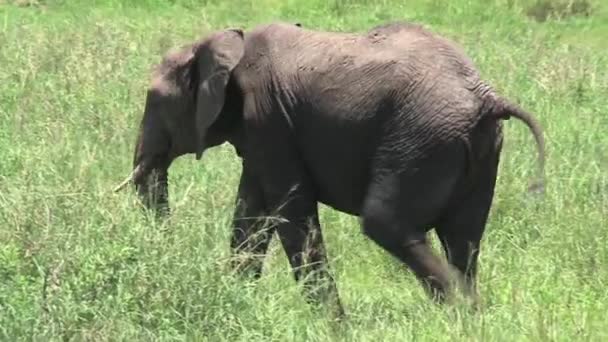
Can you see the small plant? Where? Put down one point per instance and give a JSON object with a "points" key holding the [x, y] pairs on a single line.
{"points": [[559, 9]]}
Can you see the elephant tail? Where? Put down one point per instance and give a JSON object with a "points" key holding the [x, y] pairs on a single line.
{"points": [[504, 110]]}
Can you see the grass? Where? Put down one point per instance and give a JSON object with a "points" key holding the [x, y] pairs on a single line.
{"points": [[80, 263]]}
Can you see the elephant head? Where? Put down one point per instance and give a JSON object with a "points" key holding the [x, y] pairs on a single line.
{"points": [[185, 98]]}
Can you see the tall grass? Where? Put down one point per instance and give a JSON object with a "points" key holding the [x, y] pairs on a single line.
{"points": [[78, 262]]}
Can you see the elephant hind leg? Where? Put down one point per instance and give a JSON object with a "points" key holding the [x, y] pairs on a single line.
{"points": [[398, 210], [461, 230]]}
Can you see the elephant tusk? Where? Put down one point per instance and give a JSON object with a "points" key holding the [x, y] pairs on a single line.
{"points": [[124, 183], [134, 174]]}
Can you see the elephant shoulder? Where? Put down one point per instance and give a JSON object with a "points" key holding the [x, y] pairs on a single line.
{"points": [[266, 48], [264, 40]]}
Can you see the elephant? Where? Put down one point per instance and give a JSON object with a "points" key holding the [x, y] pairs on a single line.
{"points": [[393, 125]]}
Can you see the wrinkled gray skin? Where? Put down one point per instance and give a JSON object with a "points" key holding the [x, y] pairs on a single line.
{"points": [[393, 125]]}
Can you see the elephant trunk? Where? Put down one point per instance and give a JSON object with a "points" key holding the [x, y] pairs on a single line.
{"points": [[150, 170], [151, 156]]}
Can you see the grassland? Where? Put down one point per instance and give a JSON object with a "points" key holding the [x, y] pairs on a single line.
{"points": [[78, 262]]}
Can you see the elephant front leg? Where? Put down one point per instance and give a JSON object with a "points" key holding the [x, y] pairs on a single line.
{"points": [[300, 234], [252, 231], [290, 197], [302, 240]]}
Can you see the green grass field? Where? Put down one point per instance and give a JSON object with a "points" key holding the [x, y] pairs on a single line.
{"points": [[78, 262]]}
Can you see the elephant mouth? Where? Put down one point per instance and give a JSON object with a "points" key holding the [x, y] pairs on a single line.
{"points": [[153, 190], [152, 186]]}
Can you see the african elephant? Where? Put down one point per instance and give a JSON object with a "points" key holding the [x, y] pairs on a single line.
{"points": [[393, 125]]}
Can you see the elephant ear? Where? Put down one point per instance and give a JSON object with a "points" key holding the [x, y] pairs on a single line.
{"points": [[216, 58]]}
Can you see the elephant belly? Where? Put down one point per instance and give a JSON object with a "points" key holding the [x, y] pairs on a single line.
{"points": [[341, 195], [337, 150], [340, 176]]}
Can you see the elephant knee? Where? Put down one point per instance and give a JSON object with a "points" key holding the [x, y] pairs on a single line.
{"points": [[378, 221], [383, 224]]}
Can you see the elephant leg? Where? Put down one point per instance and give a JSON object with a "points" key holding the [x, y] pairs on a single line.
{"points": [[291, 201], [300, 234], [462, 252], [409, 245], [461, 230], [252, 232], [304, 246], [400, 208]]}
